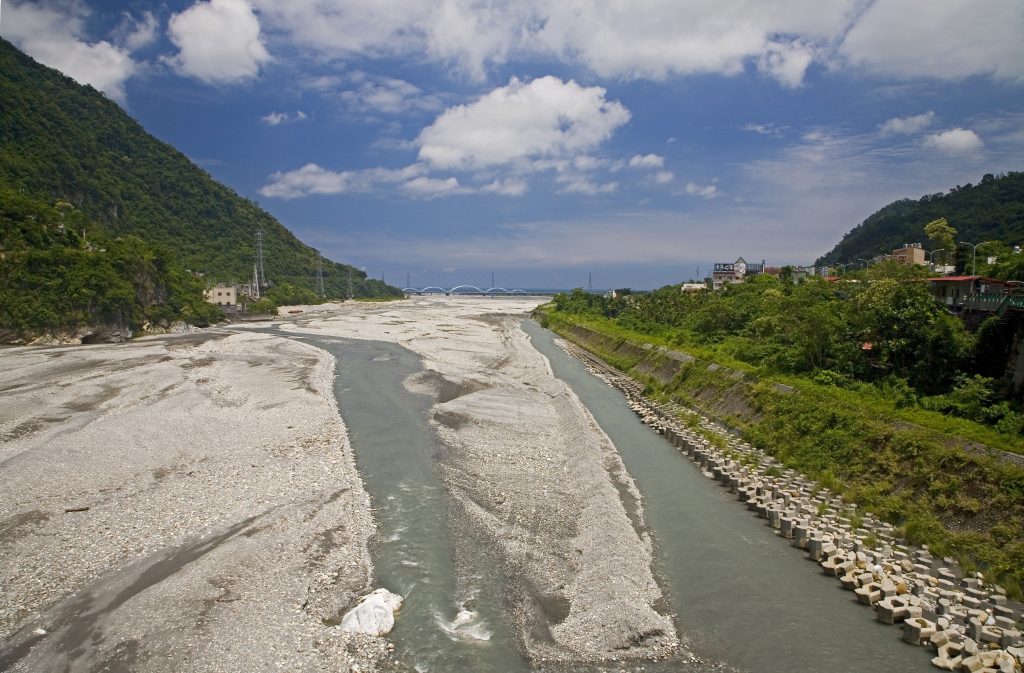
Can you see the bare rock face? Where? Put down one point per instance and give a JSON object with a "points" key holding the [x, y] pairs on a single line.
{"points": [[375, 614]]}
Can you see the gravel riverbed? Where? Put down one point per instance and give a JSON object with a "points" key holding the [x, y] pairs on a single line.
{"points": [[529, 472], [186, 502]]}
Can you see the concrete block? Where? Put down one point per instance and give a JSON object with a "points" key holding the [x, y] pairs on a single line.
{"points": [[918, 631]]}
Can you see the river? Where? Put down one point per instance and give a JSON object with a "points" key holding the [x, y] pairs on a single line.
{"points": [[743, 599]]}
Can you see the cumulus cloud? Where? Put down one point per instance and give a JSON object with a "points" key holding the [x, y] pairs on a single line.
{"points": [[907, 125], [647, 161], [945, 40], [387, 95], [308, 180], [544, 118], [276, 118], [53, 34], [429, 188], [705, 191], [664, 177], [954, 141], [218, 41], [411, 180], [657, 39]]}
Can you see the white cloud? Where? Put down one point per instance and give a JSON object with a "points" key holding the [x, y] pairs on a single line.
{"points": [[135, 33], [575, 184], [387, 94], [54, 35], [276, 118], [770, 130], [218, 41], [786, 62], [907, 125], [952, 39], [432, 187], [508, 187], [310, 179], [647, 161], [664, 177], [955, 141], [705, 191], [520, 122], [657, 39]]}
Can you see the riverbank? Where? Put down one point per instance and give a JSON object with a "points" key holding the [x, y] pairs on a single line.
{"points": [[528, 471], [185, 502], [966, 620]]}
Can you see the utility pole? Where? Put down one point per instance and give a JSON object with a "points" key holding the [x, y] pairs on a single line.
{"points": [[261, 276], [590, 281], [492, 279], [319, 274]]}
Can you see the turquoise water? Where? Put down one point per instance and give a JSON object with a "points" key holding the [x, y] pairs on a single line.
{"points": [[744, 600], [742, 596]]}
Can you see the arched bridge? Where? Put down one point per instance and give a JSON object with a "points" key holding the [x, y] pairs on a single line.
{"points": [[463, 289]]}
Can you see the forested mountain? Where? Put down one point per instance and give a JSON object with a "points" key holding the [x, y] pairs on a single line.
{"points": [[992, 210], [60, 141]]}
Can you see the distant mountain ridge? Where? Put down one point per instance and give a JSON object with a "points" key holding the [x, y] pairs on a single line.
{"points": [[63, 141], [993, 209]]}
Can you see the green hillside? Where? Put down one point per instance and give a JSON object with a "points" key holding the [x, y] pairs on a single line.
{"points": [[63, 141], [992, 210]]}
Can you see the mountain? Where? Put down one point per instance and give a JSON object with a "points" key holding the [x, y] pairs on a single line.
{"points": [[60, 141], [992, 210]]}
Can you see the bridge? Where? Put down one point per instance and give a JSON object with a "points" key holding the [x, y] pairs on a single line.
{"points": [[473, 290]]}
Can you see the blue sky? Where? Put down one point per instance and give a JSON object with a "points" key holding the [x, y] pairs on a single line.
{"points": [[639, 142]]}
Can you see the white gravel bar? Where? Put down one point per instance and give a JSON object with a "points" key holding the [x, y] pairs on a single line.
{"points": [[178, 503], [530, 470]]}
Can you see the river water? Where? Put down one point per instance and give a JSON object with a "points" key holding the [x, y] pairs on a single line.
{"points": [[744, 600]]}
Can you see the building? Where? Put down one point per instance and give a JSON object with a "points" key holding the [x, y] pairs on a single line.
{"points": [[693, 287], [736, 272], [222, 295], [910, 253], [954, 290]]}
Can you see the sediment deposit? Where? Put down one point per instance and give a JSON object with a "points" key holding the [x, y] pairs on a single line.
{"points": [[530, 473], [178, 503]]}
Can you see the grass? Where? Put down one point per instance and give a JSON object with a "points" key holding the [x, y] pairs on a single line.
{"points": [[906, 466]]}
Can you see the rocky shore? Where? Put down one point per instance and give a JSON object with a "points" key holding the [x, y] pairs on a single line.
{"points": [[185, 502], [967, 623]]}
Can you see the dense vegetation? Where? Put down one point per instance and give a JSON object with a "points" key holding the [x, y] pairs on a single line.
{"points": [[879, 332], [880, 399], [992, 210], [59, 271], [64, 142]]}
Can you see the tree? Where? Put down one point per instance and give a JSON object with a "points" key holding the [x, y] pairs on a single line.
{"points": [[942, 235]]}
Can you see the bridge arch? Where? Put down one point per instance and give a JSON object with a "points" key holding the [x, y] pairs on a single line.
{"points": [[469, 287]]}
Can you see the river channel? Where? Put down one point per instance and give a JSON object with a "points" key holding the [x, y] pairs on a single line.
{"points": [[743, 599]]}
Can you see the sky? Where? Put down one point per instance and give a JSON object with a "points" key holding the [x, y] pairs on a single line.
{"points": [[552, 144]]}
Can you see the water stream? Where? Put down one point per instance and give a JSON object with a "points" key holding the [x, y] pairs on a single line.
{"points": [[745, 600], [453, 618], [741, 595]]}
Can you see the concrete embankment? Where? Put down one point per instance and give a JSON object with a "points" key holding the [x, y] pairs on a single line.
{"points": [[969, 622]]}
